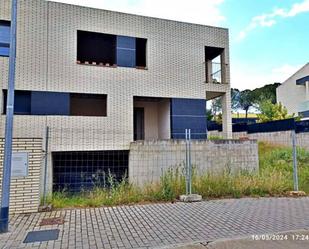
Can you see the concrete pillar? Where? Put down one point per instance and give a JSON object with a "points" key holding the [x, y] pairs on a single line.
{"points": [[208, 71], [223, 68], [307, 90], [227, 115], [49, 176]]}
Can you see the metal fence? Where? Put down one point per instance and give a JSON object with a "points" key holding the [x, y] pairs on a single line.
{"points": [[272, 126], [85, 158]]}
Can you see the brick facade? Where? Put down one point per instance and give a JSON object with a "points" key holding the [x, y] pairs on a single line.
{"points": [[25, 191], [47, 54]]}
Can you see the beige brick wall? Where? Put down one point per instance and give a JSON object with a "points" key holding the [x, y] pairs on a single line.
{"points": [[149, 160], [25, 191], [46, 60]]}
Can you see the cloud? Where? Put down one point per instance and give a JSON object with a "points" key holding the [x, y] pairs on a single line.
{"points": [[270, 19], [247, 76], [201, 11]]}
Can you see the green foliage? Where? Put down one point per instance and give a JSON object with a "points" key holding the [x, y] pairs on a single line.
{"points": [[235, 94], [271, 112], [265, 93], [246, 100], [209, 115], [275, 178], [280, 159], [215, 137]]}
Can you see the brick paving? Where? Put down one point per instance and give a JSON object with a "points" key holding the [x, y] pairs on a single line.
{"points": [[158, 225]]}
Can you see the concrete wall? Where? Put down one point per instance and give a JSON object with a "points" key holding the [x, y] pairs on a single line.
{"points": [[290, 94], [46, 61], [281, 138], [164, 119], [148, 160], [25, 191], [150, 118]]}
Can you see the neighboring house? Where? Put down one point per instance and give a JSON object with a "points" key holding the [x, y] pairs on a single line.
{"points": [[102, 79], [294, 92]]}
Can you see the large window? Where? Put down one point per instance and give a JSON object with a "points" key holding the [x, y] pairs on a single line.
{"points": [[88, 104], [57, 103], [22, 102], [141, 52], [110, 50], [96, 47], [5, 27]]}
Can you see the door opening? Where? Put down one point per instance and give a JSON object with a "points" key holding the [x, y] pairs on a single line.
{"points": [[139, 130]]}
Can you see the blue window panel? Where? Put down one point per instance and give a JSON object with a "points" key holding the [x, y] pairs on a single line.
{"points": [[5, 31], [126, 42], [188, 114], [188, 106], [22, 102], [196, 124], [50, 103], [4, 51], [126, 53], [126, 58]]}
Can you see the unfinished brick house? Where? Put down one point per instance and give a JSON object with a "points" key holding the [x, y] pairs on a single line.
{"points": [[101, 79]]}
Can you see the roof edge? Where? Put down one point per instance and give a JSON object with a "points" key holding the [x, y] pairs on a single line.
{"points": [[138, 15]]}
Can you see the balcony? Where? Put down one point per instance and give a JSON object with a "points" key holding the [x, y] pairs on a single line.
{"points": [[215, 66], [216, 75]]}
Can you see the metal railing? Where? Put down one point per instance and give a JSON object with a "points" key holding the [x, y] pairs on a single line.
{"points": [[216, 74]]}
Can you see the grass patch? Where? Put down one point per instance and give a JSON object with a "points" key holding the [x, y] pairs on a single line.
{"points": [[213, 137], [275, 178]]}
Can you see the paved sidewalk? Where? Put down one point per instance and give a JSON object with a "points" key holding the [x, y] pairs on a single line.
{"points": [[159, 225]]}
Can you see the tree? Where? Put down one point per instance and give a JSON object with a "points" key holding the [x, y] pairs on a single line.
{"points": [[216, 106], [265, 93], [246, 100], [209, 115], [235, 93], [271, 112]]}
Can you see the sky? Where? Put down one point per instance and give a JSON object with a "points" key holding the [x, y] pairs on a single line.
{"points": [[268, 38]]}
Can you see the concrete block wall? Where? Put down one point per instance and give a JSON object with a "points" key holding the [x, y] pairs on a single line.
{"points": [[281, 137], [149, 160], [25, 191]]}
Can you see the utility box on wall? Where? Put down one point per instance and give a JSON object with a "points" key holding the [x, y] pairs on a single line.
{"points": [[19, 164]]}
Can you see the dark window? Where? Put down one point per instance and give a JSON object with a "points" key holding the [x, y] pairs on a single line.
{"points": [[126, 51], [57, 103], [88, 104], [96, 47], [5, 30], [22, 102], [141, 52]]}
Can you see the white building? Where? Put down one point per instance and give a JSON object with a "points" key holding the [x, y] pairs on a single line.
{"points": [[294, 92]]}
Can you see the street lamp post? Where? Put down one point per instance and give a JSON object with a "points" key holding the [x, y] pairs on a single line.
{"points": [[6, 176]]}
